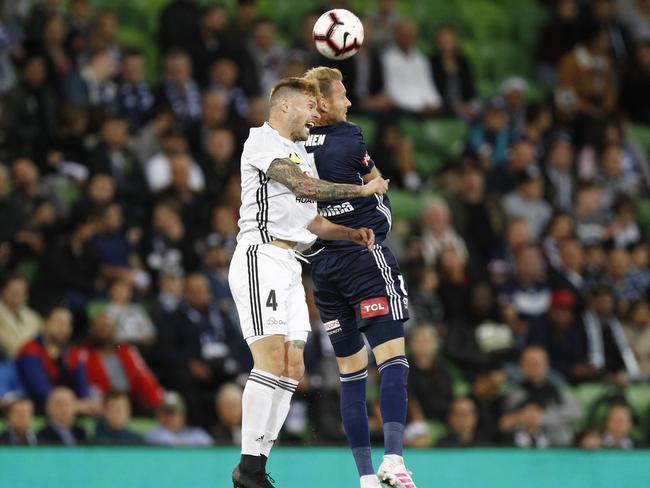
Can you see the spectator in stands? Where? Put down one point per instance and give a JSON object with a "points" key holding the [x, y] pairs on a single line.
{"points": [[215, 263], [29, 114], [502, 262], [10, 384], [424, 297], [564, 339], [428, 373], [477, 216], [79, 18], [199, 349], [158, 168], [170, 292], [589, 213], [167, 244], [527, 201], [490, 402], [637, 331], [20, 420], [178, 89], [556, 38], [61, 415], [34, 208], [559, 173], [218, 160], [612, 178], [116, 366], [586, 91], [134, 326], [384, 20], [223, 76], [115, 250], [452, 73], [635, 99], [624, 229], [267, 53], [529, 430], [99, 192], [454, 290], [103, 34], [112, 156], [538, 125], [607, 348], [605, 14], [10, 220], [618, 427], [637, 18], [627, 283], [171, 429], [18, 322], [92, 86], [179, 21], [394, 153], [489, 138], [112, 429], [214, 115], [513, 92], [210, 43], [438, 233], [51, 43], [589, 439], [527, 291], [228, 408], [135, 100], [571, 273], [561, 411], [47, 362], [462, 422], [417, 93], [559, 229]]}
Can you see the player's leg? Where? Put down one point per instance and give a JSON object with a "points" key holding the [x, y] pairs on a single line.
{"points": [[352, 360], [259, 289], [384, 330], [298, 327]]}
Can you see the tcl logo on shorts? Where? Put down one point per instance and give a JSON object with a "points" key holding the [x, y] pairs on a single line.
{"points": [[374, 307]]}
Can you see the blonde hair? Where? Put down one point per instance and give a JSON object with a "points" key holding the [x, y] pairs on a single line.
{"points": [[324, 76], [294, 84]]}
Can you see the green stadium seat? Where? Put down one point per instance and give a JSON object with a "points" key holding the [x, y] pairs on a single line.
{"points": [[142, 425], [641, 135], [406, 205]]}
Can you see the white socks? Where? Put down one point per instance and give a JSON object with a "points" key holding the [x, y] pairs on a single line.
{"points": [[257, 402], [370, 481], [279, 410]]}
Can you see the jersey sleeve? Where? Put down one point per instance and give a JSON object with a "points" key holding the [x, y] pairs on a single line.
{"points": [[360, 157], [262, 151]]}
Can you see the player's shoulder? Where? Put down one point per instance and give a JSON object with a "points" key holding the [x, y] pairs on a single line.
{"points": [[262, 138]]}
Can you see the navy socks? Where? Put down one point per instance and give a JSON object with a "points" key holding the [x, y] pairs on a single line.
{"points": [[355, 418], [393, 402]]}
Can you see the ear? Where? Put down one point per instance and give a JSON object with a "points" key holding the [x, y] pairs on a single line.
{"points": [[284, 105], [323, 106]]}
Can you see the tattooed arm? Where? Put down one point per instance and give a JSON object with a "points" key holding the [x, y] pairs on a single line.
{"points": [[289, 174]]}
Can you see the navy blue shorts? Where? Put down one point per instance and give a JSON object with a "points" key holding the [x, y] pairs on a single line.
{"points": [[360, 291]]}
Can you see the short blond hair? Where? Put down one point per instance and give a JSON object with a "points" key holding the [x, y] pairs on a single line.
{"points": [[294, 84], [324, 76]]}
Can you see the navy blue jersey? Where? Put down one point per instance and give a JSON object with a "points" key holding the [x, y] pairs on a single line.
{"points": [[341, 157]]}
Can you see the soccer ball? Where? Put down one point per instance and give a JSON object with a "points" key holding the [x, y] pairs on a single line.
{"points": [[338, 34]]}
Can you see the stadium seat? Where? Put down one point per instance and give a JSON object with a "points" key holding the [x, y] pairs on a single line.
{"points": [[406, 205]]}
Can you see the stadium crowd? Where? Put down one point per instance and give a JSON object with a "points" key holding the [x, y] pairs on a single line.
{"points": [[528, 271]]}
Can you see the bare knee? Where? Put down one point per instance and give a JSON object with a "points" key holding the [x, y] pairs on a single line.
{"points": [[295, 369], [354, 363]]}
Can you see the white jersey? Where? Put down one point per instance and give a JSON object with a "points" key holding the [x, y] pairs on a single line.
{"points": [[269, 210]]}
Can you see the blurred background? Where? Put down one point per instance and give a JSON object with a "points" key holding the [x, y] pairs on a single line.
{"points": [[516, 134]]}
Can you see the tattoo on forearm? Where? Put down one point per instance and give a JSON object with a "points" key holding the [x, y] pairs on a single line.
{"points": [[298, 344], [289, 174]]}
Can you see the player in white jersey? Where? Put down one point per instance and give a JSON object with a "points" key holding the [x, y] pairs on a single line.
{"points": [[278, 219]]}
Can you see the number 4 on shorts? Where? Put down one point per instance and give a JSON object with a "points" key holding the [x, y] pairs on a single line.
{"points": [[271, 301]]}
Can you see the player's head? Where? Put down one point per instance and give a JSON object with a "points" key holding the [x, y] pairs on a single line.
{"points": [[294, 106], [333, 103]]}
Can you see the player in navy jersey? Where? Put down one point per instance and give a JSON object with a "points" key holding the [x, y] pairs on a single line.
{"points": [[360, 291]]}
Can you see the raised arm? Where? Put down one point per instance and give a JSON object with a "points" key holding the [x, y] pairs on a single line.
{"points": [[288, 173]]}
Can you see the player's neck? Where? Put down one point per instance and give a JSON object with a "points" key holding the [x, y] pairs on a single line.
{"points": [[277, 125]]}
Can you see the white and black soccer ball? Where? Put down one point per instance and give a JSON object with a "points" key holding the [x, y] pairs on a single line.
{"points": [[338, 34]]}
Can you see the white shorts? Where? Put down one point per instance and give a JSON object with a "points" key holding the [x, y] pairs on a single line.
{"points": [[266, 284]]}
